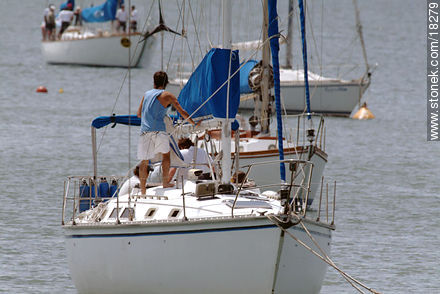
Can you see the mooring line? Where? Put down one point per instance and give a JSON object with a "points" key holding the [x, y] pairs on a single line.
{"points": [[326, 259]]}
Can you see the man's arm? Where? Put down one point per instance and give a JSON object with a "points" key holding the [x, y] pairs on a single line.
{"points": [[139, 113], [182, 111], [173, 100]]}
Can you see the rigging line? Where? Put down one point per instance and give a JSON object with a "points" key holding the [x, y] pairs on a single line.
{"points": [[219, 17], [327, 257], [202, 20], [317, 254], [174, 35], [124, 79], [195, 27], [313, 34], [361, 36], [182, 47], [190, 53], [208, 31], [322, 36]]}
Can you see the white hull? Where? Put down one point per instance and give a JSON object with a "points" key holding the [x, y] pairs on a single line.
{"points": [[96, 51], [227, 256], [332, 98], [327, 96]]}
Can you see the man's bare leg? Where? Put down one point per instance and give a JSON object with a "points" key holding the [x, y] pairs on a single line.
{"points": [[166, 170], [143, 175]]}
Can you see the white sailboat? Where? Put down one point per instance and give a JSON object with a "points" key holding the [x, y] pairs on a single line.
{"points": [[83, 45], [208, 236]]}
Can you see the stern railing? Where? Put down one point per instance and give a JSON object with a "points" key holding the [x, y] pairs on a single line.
{"points": [[86, 192]]}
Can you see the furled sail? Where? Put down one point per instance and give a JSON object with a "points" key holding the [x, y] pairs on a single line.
{"points": [[101, 13], [209, 78], [275, 48]]}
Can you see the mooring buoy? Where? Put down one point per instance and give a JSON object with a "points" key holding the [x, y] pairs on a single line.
{"points": [[363, 113], [41, 89]]}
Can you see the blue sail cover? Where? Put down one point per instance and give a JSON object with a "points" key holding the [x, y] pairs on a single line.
{"points": [[102, 121], [275, 48], [209, 76], [64, 5], [101, 13], [244, 76]]}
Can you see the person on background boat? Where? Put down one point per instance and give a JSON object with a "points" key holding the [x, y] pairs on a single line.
{"points": [[66, 17], [154, 139], [44, 23], [78, 18], [133, 19], [121, 18], [50, 23]]}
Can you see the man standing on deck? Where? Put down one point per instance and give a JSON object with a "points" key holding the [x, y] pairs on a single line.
{"points": [[154, 139]]}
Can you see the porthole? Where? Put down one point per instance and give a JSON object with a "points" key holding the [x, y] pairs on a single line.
{"points": [[174, 213], [150, 213]]}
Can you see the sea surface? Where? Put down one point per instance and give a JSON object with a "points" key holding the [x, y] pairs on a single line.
{"points": [[388, 188]]}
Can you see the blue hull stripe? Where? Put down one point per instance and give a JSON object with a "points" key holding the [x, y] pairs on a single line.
{"points": [[202, 231]]}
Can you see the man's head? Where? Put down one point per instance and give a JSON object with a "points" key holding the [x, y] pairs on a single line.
{"points": [[136, 171], [122, 6], [160, 79], [132, 7], [185, 143]]}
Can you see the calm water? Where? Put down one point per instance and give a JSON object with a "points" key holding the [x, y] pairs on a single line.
{"points": [[388, 188]]}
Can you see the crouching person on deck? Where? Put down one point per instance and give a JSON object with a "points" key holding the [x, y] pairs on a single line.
{"points": [[154, 139]]}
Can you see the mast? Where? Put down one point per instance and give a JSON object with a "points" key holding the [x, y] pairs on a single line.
{"points": [[289, 36], [226, 125], [361, 37], [265, 80]]}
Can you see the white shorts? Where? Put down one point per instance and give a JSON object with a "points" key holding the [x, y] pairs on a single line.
{"points": [[151, 144]]}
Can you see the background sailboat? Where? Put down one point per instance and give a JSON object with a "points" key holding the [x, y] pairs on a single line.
{"points": [[84, 45], [330, 96], [334, 96]]}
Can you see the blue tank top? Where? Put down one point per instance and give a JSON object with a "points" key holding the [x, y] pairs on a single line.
{"points": [[153, 112]]}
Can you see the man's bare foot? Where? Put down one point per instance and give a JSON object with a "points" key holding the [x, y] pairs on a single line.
{"points": [[169, 185]]}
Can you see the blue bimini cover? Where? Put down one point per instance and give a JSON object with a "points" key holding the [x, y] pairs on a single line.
{"points": [[208, 77], [102, 121], [244, 76], [101, 13]]}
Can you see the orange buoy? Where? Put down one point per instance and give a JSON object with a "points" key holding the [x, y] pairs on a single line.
{"points": [[41, 89], [363, 113]]}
